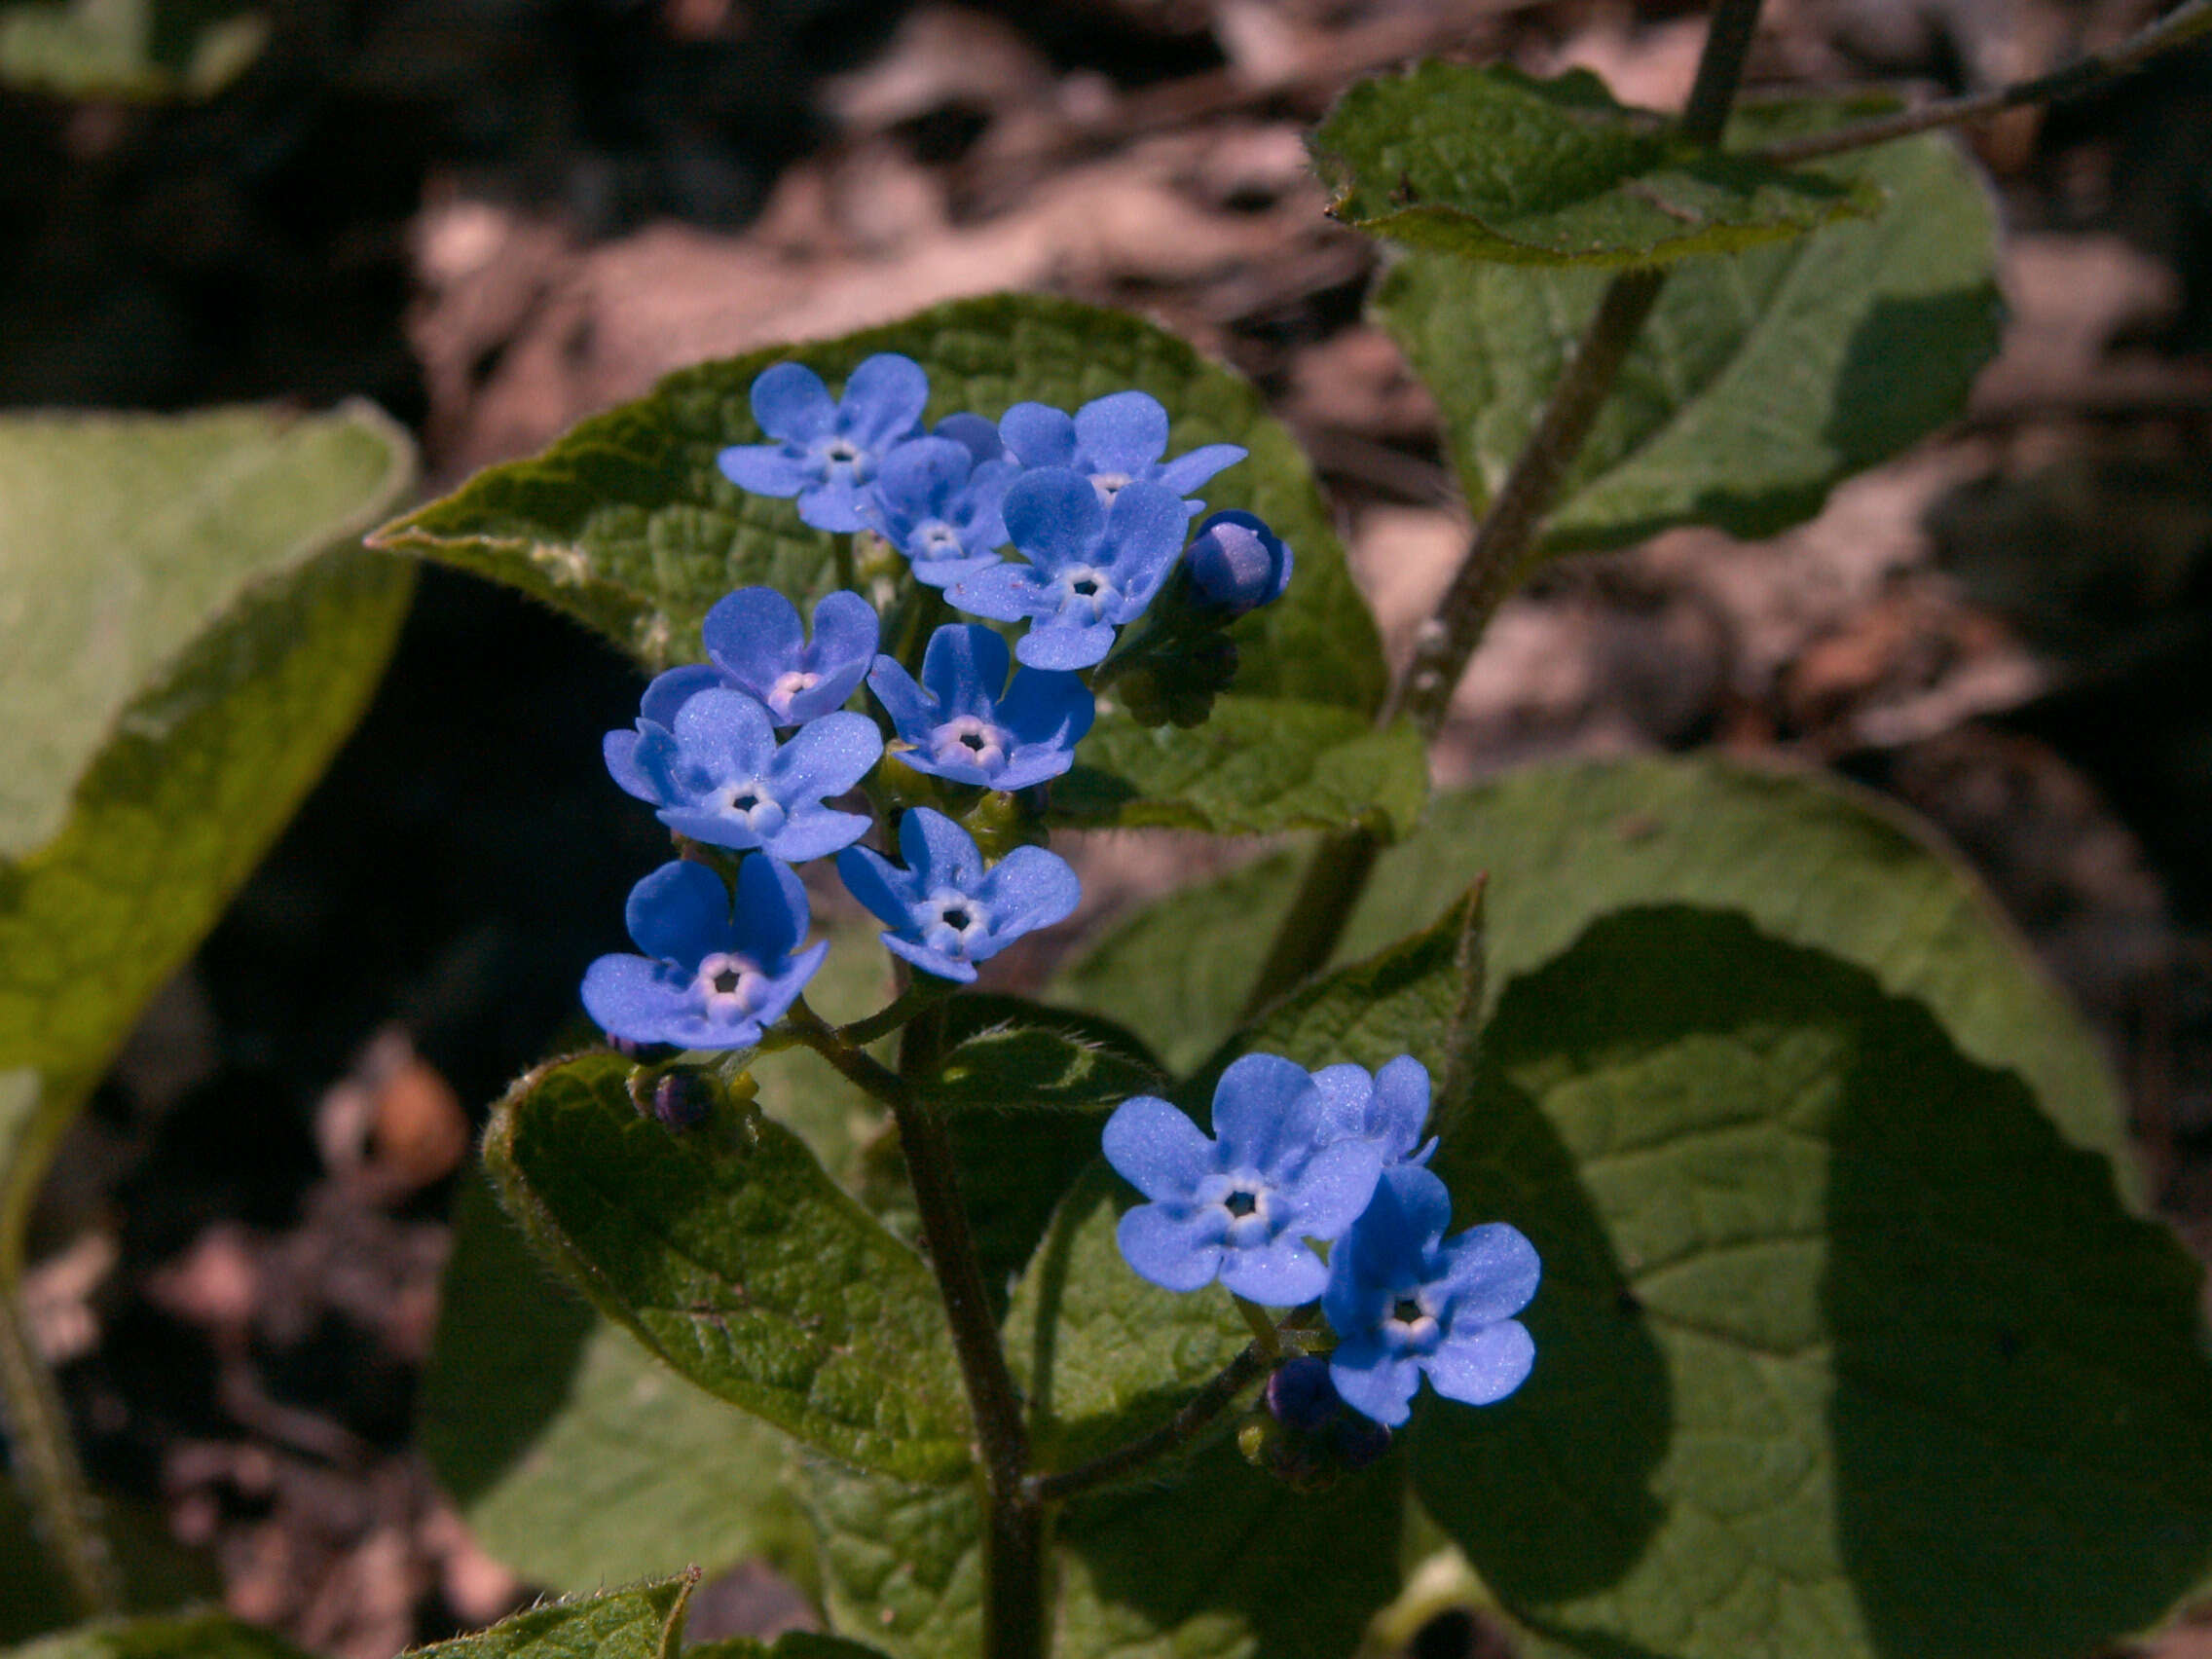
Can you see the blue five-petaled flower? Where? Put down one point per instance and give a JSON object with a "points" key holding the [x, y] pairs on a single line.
{"points": [[1241, 1207], [718, 774], [937, 504], [1114, 441], [708, 979], [827, 450], [946, 911], [1092, 566], [758, 645], [1406, 1303], [966, 723], [1387, 1109]]}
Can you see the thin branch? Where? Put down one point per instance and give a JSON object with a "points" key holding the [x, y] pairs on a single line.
{"points": [[1501, 550], [2186, 22], [1208, 1403], [950, 1243]]}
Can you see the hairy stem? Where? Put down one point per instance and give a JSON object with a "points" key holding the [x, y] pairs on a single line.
{"points": [[2185, 24], [1501, 549], [47, 1468], [1208, 1403], [1014, 1560]]}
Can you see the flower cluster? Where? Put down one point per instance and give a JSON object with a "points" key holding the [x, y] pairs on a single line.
{"points": [[1332, 1156], [750, 757]]}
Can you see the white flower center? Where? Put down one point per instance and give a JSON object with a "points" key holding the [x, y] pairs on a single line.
{"points": [[788, 686], [968, 741], [1410, 1327], [1110, 484], [732, 987], [951, 921], [751, 803], [1085, 591]]}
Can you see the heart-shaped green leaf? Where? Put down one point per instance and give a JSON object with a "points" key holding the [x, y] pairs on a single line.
{"points": [[733, 1257], [1841, 1349], [1489, 164], [642, 1623], [1758, 382]]}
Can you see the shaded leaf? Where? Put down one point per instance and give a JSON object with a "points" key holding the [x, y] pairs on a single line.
{"points": [[1486, 162], [1004, 1054], [903, 1564], [1258, 765], [732, 1255], [139, 50], [1917, 1384], [1759, 382], [575, 1456], [184, 1636], [1808, 859], [642, 1623]]}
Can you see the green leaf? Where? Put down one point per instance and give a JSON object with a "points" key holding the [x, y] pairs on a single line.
{"points": [[627, 524], [136, 49], [1841, 1351], [1810, 861], [792, 1644], [642, 1623], [734, 1258], [1759, 382], [1486, 162], [1258, 765], [184, 1636], [575, 1456], [1219, 1562], [1005, 1055]]}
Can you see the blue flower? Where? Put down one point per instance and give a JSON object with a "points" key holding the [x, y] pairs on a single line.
{"points": [[973, 728], [707, 980], [1404, 1303], [940, 506], [718, 774], [978, 437], [1387, 1109], [946, 911], [1114, 442], [1092, 566], [1237, 562], [756, 641], [826, 452], [1239, 1208]]}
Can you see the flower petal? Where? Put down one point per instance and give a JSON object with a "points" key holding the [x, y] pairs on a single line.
{"points": [[1282, 1273], [633, 997], [1185, 472], [1400, 1106], [1053, 515], [1346, 1090], [877, 883], [1484, 1367], [1046, 707], [754, 635], [832, 505], [1145, 528], [620, 750], [826, 756], [1124, 432], [1263, 1106], [1373, 1383], [912, 711], [711, 825], [1336, 1185], [1491, 1271], [814, 832], [1037, 434], [973, 434], [766, 469], [1003, 591], [1174, 1249], [798, 969], [929, 961], [1060, 647], [965, 669], [884, 398], [1157, 1149], [938, 852], [790, 402], [772, 914], [679, 912], [1029, 889], [725, 733]]}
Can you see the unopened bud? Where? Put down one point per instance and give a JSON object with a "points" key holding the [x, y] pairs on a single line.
{"points": [[682, 1100], [1237, 562]]}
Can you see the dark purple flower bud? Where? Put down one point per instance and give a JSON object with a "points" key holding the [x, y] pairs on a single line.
{"points": [[682, 1100], [1300, 1394], [1237, 562]]}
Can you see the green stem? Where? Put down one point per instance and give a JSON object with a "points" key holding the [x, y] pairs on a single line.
{"points": [[1503, 545], [1208, 1403], [918, 998], [1014, 1555], [1265, 1336], [2185, 24], [37, 1426]]}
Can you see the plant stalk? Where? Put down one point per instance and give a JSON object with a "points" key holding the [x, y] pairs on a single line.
{"points": [[47, 1468], [2185, 24], [1208, 1403], [1015, 1553], [1500, 552]]}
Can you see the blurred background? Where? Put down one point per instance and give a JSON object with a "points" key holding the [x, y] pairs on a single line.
{"points": [[496, 216]]}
